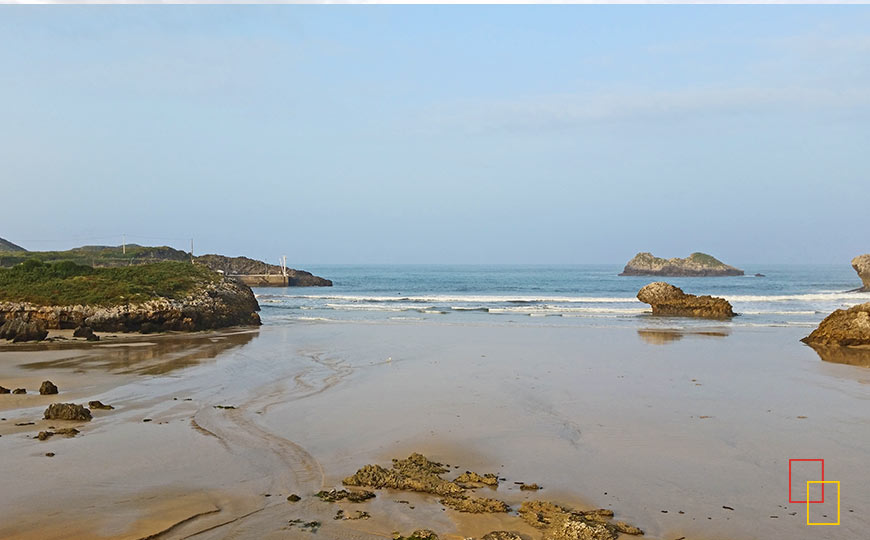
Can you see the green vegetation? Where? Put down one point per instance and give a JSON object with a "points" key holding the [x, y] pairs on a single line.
{"points": [[98, 256], [706, 260], [69, 283]]}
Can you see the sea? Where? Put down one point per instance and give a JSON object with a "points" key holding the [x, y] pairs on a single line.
{"points": [[587, 295]]}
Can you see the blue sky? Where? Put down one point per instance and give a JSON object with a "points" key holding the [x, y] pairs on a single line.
{"points": [[440, 134]]}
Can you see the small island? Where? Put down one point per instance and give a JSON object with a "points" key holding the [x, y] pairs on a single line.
{"points": [[695, 265], [157, 297]]}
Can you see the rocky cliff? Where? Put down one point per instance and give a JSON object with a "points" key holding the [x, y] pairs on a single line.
{"points": [[217, 304], [669, 300], [861, 264], [246, 266], [695, 265]]}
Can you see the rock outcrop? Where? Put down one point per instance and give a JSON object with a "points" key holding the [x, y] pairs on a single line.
{"points": [[246, 266], [47, 388], [67, 411], [218, 304], [668, 300], [695, 265], [861, 264], [18, 329], [844, 327]]}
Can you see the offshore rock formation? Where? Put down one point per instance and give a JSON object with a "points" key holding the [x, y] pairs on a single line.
{"points": [[843, 327], [695, 265], [217, 304], [861, 264], [246, 266], [668, 300]]}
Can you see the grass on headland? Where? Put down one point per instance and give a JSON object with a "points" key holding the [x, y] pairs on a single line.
{"points": [[68, 283]]}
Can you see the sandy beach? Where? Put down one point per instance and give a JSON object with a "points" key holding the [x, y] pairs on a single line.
{"points": [[211, 432]]}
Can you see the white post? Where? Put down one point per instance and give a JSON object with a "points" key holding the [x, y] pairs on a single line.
{"points": [[124, 244]]}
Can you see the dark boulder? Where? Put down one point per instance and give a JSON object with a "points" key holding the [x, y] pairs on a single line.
{"points": [[47, 387], [19, 391], [99, 405], [18, 330], [67, 411], [86, 332], [4, 390]]}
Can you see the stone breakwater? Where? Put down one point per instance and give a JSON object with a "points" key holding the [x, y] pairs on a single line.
{"points": [[216, 304]]}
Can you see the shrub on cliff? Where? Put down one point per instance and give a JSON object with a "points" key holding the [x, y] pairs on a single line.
{"points": [[68, 283]]}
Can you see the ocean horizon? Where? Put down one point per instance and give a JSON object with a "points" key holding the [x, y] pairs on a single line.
{"points": [[786, 295]]}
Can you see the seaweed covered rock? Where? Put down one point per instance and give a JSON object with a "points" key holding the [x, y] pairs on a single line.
{"points": [[843, 327], [475, 505], [669, 300], [695, 265], [562, 523], [416, 473], [335, 495], [469, 477], [501, 535], [861, 264], [18, 329], [67, 411], [96, 404], [419, 534]]}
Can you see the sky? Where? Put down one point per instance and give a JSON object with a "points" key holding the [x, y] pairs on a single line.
{"points": [[439, 134]]}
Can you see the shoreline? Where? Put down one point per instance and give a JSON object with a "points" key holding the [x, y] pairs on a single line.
{"points": [[295, 389]]}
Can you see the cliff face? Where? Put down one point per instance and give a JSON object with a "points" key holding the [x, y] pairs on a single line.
{"points": [[668, 300], [695, 265], [861, 264], [246, 266], [216, 305]]}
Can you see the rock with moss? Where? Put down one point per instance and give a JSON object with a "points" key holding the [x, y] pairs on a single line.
{"points": [[335, 495], [168, 296], [695, 265], [471, 479], [419, 534], [668, 300], [416, 473], [844, 327], [861, 264], [475, 505], [67, 411], [562, 523]]}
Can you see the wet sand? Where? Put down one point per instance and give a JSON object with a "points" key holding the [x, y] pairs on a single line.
{"points": [[641, 421]]}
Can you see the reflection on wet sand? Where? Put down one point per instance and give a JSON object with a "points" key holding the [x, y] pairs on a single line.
{"points": [[853, 356], [663, 336], [154, 355]]}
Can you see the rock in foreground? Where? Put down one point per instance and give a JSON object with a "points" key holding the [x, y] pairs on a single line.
{"points": [[843, 327], [67, 411], [562, 523], [861, 264], [668, 300], [695, 265]]}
